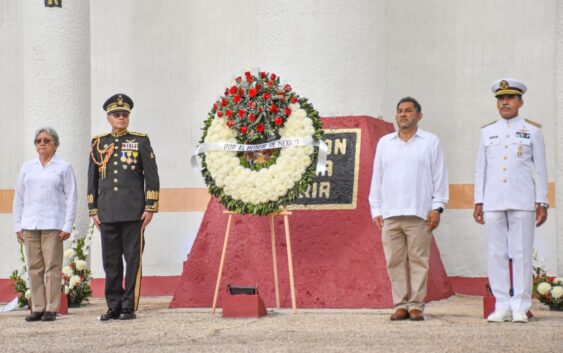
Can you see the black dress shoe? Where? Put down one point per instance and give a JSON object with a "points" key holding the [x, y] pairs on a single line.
{"points": [[34, 316], [127, 314], [49, 316], [110, 315]]}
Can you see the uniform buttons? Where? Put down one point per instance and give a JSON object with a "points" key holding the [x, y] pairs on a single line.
{"points": [[115, 180], [505, 158], [505, 146], [116, 140], [115, 188], [116, 147], [509, 126], [115, 171], [115, 154], [507, 136], [504, 169], [114, 162], [503, 180]]}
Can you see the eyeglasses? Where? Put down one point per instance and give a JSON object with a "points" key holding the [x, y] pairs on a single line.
{"points": [[117, 115], [43, 140]]}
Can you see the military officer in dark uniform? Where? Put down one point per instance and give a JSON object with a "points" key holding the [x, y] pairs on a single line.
{"points": [[123, 190]]}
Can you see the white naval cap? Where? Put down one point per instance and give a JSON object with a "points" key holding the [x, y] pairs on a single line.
{"points": [[508, 86]]}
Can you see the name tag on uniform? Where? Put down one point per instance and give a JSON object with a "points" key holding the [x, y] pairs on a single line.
{"points": [[492, 140]]}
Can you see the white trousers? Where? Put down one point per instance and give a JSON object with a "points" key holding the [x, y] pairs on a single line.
{"points": [[510, 233]]}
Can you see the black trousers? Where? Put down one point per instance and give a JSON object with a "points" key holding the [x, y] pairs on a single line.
{"points": [[122, 240]]}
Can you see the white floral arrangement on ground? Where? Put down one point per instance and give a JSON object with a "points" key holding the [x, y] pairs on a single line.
{"points": [[259, 109], [21, 280], [549, 290], [76, 274]]}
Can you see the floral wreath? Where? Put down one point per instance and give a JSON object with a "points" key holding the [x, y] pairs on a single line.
{"points": [[255, 114]]}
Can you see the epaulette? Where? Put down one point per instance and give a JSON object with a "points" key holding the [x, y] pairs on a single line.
{"points": [[137, 133], [533, 123], [491, 123], [98, 136]]}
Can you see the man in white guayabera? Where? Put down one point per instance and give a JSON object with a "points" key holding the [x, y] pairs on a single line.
{"points": [[409, 190]]}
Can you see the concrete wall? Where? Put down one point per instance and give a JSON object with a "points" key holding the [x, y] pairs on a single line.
{"points": [[174, 59]]}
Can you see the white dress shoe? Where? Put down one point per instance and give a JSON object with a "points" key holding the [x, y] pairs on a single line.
{"points": [[520, 317], [500, 316]]}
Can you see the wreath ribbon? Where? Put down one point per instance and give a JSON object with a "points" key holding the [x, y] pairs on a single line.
{"points": [[281, 143]]}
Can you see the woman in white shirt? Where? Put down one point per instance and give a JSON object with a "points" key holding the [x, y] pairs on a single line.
{"points": [[44, 211]]}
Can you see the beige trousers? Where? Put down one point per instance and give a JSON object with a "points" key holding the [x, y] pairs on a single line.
{"points": [[44, 251], [406, 242]]}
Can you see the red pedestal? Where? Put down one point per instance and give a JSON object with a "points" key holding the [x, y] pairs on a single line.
{"points": [[243, 305], [63, 308], [338, 256]]}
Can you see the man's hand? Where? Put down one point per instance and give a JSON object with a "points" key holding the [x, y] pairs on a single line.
{"points": [[20, 236], [64, 235], [378, 222], [146, 218], [96, 221], [433, 220], [478, 213], [541, 215]]}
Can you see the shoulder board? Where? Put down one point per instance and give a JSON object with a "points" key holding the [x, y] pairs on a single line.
{"points": [[98, 136], [137, 133], [533, 123], [491, 123]]}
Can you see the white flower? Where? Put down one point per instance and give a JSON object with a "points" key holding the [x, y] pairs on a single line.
{"points": [[557, 292], [27, 294], [543, 288], [558, 280], [69, 253], [67, 289], [74, 281], [68, 271], [81, 265]]}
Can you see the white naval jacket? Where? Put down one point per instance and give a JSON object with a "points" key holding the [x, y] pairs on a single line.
{"points": [[511, 171]]}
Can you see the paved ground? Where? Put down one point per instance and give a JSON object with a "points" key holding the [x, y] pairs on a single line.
{"points": [[452, 325]]}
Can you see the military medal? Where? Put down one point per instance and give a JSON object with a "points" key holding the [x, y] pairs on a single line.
{"points": [[123, 157], [124, 166], [129, 160], [520, 149]]}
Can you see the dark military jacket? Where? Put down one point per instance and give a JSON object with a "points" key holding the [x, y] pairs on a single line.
{"points": [[122, 177]]}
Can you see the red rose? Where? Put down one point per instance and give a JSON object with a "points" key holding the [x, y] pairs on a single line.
{"points": [[248, 79], [233, 90], [215, 106], [273, 108], [229, 113], [241, 113], [227, 91], [236, 98], [243, 129], [251, 104], [270, 83], [238, 79], [252, 92], [219, 113], [247, 74], [278, 120], [230, 123], [287, 111], [258, 87], [241, 91], [251, 117], [287, 88], [281, 94], [260, 110], [547, 295], [262, 74], [293, 99], [260, 127], [82, 277], [273, 76], [224, 102], [266, 96]]}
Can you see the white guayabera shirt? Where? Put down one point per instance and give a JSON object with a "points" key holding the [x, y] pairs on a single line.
{"points": [[409, 178], [45, 196]]}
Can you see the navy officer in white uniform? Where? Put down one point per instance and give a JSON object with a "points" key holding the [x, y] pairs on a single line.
{"points": [[510, 199]]}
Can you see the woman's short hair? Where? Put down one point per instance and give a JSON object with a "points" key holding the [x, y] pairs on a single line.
{"points": [[49, 130]]}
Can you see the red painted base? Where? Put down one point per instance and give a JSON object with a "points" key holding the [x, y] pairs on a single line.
{"points": [[338, 257], [243, 306], [63, 308]]}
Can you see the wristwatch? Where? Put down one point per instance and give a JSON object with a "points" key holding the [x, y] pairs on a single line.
{"points": [[439, 209], [545, 205]]}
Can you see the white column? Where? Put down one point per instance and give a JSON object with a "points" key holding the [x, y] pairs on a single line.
{"points": [[56, 82], [558, 212]]}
